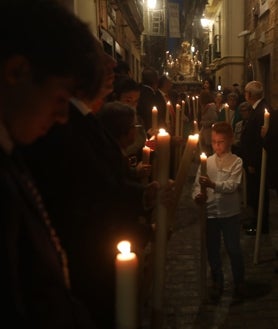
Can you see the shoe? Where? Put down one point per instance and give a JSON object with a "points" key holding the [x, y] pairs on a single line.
{"points": [[250, 224], [250, 231]]}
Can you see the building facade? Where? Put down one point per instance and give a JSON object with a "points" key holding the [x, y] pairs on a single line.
{"points": [[118, 24], [243, 43]]}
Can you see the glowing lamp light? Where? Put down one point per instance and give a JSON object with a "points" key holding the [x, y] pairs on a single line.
{"points": [[205, 22], [151, 4]]}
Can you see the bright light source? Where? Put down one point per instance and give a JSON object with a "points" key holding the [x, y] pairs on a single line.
{"points": [[205, 22], [151, 4]]}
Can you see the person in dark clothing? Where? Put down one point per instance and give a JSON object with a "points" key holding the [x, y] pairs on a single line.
{"points": [[150, 97], [43, 49], [251, 147]]}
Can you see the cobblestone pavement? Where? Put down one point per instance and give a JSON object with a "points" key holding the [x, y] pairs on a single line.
{"points": [[183, 307]]}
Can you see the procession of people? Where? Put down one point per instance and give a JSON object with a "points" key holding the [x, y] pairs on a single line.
{"points": [[90, 157]]}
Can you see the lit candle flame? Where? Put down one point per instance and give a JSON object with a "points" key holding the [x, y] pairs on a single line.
{"points": [[203, 155], [124, 247], [162, 132]]}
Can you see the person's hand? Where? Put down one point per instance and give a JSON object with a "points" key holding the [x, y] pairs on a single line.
{"points": [[152, 132], [263, 131], [143, 170], [206, 182], [200, 198], [167, 195], [151, 143]]}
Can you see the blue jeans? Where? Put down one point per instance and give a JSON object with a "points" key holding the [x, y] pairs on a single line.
{"points": [[230, 228]]}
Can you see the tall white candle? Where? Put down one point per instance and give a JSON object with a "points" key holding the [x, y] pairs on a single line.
{"points": [[227, 113], [184, 167], [126, 287], [146, 155], [189, 105], [194, 108], [266, 119], [163, 156], [167, 117], [178, 118], [203, 159], [183, 105], [195, 127], [197, 106], [154, 118], [182, 117], [161, 221]]}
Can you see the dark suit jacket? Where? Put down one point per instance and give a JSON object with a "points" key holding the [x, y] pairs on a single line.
{"points": [[147, 100], [33, 291], [80, 172], [251, 139]]}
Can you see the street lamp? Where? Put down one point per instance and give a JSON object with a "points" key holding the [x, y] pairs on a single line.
{"points": [[151, 4], [205, 22]]}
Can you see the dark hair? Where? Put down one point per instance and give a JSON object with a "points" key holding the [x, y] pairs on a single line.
{"points": [[210, 81], [162, 80], [51, 38], [206, 97], [232, 96], [117, 118], [149, 76], [223, 127], [122, 68], [245, 106], [125, 85]]}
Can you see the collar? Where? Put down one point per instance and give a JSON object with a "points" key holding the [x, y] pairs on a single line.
{"points": [[163, 93], [256, 103], [149, 88], [81, 106], [224, 160], [5, 139]]}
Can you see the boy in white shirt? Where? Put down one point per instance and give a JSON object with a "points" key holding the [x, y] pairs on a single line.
{"points": [[222, 198]]}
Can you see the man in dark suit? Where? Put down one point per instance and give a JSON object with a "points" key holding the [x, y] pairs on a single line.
{"points": [[36, 79], [150, 97], [252, 144]]}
